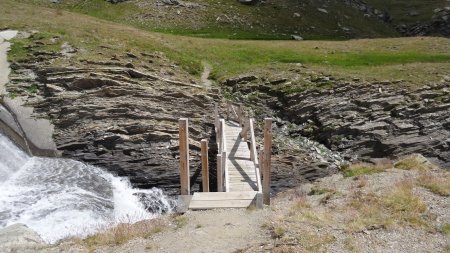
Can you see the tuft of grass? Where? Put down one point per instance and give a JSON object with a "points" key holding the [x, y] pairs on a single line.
{"points": [[367, 211], [445, 229], [124, 232], [32, 89], [435, 184], [359, 169], [317, 219], [349, 244], [414, 162], [181, 221], [397, 207], [405, 207], [313, 242], [300, 203], [285, 249], [319, 191], [278, 231]]}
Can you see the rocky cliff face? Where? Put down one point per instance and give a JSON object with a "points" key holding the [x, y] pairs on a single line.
{"points": [[114, 116], [122, 115], [358, 119]]}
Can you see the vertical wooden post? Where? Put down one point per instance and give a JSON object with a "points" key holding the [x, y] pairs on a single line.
{"points": [[205, 169], [219, 173], [267, 159], [224, 171], [240, 114], [216, 116], [184, 156], [261, 162]]}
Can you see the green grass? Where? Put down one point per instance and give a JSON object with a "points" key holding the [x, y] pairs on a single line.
{"points": [[32, 89], [439, 185], [445, 229], [231, 57], [22, 48], [181, 221], [355, 170], [413, 162]]}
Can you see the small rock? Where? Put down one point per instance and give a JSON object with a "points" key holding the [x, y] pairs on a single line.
{"points": [[322, 10], [131, 55], [296, 37], [413, 13]]}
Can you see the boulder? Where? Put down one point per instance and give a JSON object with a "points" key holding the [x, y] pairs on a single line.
{"points": [[17, 237]]}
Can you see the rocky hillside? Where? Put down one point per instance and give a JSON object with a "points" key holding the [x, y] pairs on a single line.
{"points": [[277, 19], [121, 113], [358, 119]]}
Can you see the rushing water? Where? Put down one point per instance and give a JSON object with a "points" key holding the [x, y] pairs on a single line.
{"points": [[61, 197]]}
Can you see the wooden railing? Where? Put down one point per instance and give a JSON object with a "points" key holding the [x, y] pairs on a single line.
{"points": [[222, 167], [249, 129], [261, 161], [236, 113]]}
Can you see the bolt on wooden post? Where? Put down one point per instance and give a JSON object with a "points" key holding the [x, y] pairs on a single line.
{"points": [[184, 156], [205, 168], [267, 163]]}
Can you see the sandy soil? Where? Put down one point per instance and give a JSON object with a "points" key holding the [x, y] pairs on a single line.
{"points": [[206, 231]]}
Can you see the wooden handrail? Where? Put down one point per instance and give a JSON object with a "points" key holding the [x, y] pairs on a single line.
{"points": [[254, 155], [222, 177], [236, 115], [247, 129]]}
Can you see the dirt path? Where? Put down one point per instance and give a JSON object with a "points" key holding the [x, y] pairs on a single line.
{"points": [[205, 75], [211, 231]]}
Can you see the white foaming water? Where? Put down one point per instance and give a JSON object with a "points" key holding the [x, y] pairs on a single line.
{"points": [[60, 197]]}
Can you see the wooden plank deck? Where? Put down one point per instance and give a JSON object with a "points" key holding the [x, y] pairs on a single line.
{"points": [[241, 175], [211, 200], [241, 170]]}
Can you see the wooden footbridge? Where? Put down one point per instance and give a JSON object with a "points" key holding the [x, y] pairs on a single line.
{"points": [[239, 167]]}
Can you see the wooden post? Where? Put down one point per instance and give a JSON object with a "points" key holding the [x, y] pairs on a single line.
{"points": [[184, 156], [216, 116], [219, 173], [205, 169], [267, 159], [260, 162], [224, 171]]}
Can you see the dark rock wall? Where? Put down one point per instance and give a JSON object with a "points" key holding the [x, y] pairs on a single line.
{"points": [[123, 120], [363, 120]]}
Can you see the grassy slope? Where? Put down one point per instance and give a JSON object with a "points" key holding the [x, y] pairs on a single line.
{"points": [[272, 20], [380, 58]]}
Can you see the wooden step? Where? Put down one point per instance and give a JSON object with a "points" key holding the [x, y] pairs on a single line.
{"points": [[212, 200]]}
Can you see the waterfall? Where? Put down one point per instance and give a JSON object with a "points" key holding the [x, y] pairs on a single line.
{"points": [[61, 197]]}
